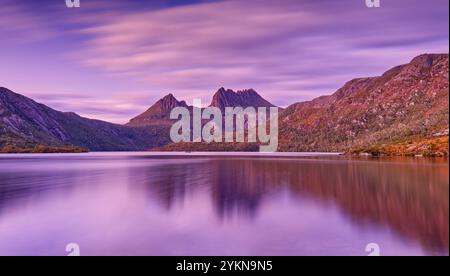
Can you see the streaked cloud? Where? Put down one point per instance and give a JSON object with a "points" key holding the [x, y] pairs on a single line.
{"points": [[118, 108], [249, 44], [21, 24], [288, 50]]}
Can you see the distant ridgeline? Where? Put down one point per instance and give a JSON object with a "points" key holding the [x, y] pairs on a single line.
{"points": [[403, 112]]}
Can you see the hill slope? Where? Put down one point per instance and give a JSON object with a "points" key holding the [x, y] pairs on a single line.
{"points": [[26, 123], [405, 108], [404, 111], [407, 101]]}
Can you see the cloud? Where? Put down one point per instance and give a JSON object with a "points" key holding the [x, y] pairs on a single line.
{"points": [[20, 23], [288, 50], [198, 47], [116, 109]]}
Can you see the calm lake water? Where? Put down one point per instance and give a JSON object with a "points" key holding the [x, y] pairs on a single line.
{"points": [[137, 204]]}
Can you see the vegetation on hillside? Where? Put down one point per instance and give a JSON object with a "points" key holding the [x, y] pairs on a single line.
{"points": [[427, 147], [43, 149], [209, 147]]}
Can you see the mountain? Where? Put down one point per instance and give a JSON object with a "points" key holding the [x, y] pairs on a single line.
{"points": [[405, 111], [407, 102], [244, 98], [159, 113], [26, 123]]}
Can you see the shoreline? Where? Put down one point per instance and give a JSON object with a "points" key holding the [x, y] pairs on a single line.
{"points": [[436, 147], [419, 147], [215, 154], [42, 150]]}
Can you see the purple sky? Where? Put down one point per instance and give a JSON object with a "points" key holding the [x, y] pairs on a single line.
{"points": [[112, 59]]}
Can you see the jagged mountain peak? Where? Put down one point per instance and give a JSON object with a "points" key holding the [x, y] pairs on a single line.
{"points": [[169, 101], [158, 112], [245, 98]]}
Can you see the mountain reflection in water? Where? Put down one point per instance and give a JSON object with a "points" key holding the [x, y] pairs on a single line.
{"points": [[406, 197]]}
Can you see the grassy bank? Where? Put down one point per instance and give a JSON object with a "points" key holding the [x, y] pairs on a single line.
{"points": [[211, 147], [427, 147], [43, 149]]}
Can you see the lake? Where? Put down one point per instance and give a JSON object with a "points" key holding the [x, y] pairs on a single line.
{"points": [[200, 204]]}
